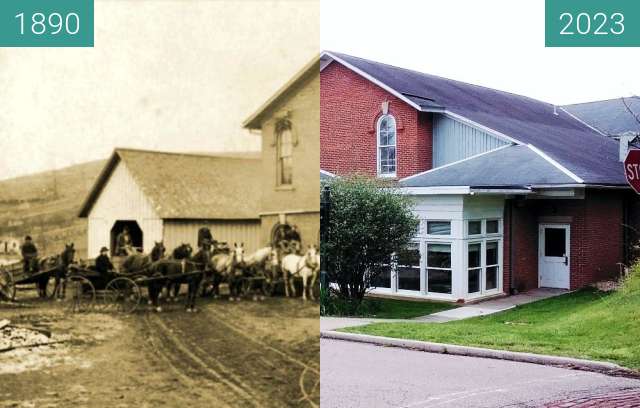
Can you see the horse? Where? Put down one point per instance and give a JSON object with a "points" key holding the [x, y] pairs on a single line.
{"points": [[307, 267], [179, 253], [171, 269], [229, 267], [136, 261], [260, 263], [58, 264]]}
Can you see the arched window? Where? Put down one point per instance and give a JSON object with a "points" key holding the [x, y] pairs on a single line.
{"points": [[284, 151], [386, 146]]}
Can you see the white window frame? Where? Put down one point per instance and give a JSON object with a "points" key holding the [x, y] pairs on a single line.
{"points": [[482, 226], [498, 287], [481, 267], [395, 280], [425, 275], [426, 228], [379, 146]]}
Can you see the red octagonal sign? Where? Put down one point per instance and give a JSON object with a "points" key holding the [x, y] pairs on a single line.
{"points": [[632, 169]]}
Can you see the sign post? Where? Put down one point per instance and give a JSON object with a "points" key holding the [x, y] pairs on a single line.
{"points": [[632, 169]]}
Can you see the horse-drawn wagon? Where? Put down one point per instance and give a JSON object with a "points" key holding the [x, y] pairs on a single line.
{"points": [[47, 274]]}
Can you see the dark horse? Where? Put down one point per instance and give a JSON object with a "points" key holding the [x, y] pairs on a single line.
{"points": [[59, 265], [179, 253], [181, 271]]}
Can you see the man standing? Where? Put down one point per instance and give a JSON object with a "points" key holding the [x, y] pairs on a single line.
{"points": [[123, 242], [29, 255], [205, 238]]}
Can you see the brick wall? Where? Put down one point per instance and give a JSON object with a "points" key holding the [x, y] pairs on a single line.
{"points": [[349, 109], [596, 237]]}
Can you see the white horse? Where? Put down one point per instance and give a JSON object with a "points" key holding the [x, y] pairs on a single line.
{"points": [[307, 267], [229, 267]]}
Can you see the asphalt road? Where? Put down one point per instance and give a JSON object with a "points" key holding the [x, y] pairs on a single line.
{"points": [[362, 375]]}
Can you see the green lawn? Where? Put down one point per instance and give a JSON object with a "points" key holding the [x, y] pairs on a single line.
{"points": [[584, 324], [404, 309], [382, 308]]}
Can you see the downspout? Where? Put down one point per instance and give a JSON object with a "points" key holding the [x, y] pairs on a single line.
{"points": [[511, 234]]}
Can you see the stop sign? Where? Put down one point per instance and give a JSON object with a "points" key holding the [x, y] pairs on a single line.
{"points": [[632, 169]]}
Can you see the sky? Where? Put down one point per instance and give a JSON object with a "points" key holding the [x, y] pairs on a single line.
{"points": [[163, 75], [495, 43]]}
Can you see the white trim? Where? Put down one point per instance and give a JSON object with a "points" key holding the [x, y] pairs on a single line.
{"points": [[436, 190], [483, 128], [395, 145], [583, 122], [456, 162], [327, 173], [372, 79], [462, 190], [555, 164]]}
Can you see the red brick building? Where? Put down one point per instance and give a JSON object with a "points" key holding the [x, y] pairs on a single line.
{"points": [[512, 193]]}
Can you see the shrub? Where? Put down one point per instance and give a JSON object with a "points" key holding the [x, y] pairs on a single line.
{"points": [[369, 220]]}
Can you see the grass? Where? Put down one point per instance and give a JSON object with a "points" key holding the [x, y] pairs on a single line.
{"points": [[382, 308], [584, 324]]}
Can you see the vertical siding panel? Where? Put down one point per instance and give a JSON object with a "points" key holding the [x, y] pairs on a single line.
{"points": [[186, 231], [453, 140]]}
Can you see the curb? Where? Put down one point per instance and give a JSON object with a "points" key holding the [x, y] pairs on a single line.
{"points": [[442, 348]]}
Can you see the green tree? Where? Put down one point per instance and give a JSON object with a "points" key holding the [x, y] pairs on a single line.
{"points": [[369, 220]]}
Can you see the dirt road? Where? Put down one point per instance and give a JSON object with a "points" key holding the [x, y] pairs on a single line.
{"points": [[246, 354]]}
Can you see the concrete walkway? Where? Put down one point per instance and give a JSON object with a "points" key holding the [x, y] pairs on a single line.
{"points": [[465, 312]]}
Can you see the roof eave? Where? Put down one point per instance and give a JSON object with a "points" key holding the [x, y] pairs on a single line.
{"points": [[254, 121], [102, 179]]}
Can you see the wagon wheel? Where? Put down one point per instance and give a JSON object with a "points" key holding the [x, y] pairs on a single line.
{"points": [[122, 295], [7, 285], [81, 294]]}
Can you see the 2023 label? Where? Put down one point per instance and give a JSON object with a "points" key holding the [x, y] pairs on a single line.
{"points": [[46, 23], [592, 23]]}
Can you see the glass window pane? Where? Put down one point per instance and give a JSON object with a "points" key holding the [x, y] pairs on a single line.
{"points": [[439, 255], [492, 253], [474, 255], [492, 278], [383, 280], [439, 227], [492, 227], [474, 280], [475, 227], [555, 242], [439, 281], [408, 278], [410, 256], [391, 137]]}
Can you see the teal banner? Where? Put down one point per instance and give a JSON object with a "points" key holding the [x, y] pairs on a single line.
{"points": [[46, 23], [592, 23]]}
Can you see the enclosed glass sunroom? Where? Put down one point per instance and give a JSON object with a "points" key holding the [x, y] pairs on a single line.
{"points": [[456, 254]]}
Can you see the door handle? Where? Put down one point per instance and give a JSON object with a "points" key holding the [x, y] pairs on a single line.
{"points": [[566, 260]]}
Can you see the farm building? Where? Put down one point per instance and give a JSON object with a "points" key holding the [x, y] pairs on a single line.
{"points": [[169, 196], [290, 126]]}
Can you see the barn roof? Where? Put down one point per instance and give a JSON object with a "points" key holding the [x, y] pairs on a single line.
{"points": [[587, 155], [188, 186]]}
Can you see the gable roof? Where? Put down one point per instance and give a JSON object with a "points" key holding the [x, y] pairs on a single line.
{"points": [[188, 186], [525, 167], [558, 137], [610, 117], [255, 120]]}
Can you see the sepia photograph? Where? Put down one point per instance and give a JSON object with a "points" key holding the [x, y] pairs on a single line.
{"points": [[160, 209]]}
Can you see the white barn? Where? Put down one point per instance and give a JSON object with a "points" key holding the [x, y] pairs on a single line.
{"points": [[169, 196]]}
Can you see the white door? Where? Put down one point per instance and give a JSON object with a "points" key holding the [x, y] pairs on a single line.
{"points": [[554, 258]]}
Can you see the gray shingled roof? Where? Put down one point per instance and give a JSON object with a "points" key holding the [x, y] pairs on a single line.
{"points": [[189, 186], [512, 166], [610, 116], [589, 155]]}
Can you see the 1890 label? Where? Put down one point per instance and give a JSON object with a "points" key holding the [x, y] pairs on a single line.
{"points": [[46, 23]]}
